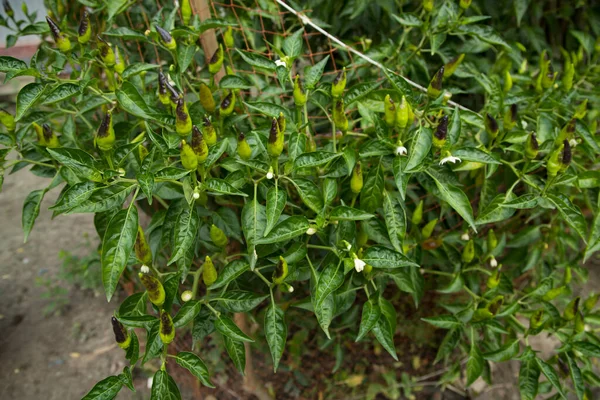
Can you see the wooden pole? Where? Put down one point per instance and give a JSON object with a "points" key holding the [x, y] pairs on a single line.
{"points": [[209, 37]]}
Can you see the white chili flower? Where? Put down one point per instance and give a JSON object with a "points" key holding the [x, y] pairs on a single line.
{"points": [[493, 262], [280, 63], [270, 173], [465, 236], [196, 195], [290, 289], [359, 264], [311, 230], [145, 269], [401, 151], [186, 296], [348, 246], [449, 158], [573, 142]]}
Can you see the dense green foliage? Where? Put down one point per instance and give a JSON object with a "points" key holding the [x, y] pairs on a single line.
{"points": [[289, 187]]}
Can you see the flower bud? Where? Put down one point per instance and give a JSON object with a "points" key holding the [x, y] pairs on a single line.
{"points": [[142, 250], [339, 84], [312, 229], [468, 253], [417, 216], [243, 148], [206, 98], [568, 75], [227, 104], [144, 269], [510, 117], [508, 82], [439, 136], [403, 112], [270, 173], [428, 229], [537, 319], [155, 289], [492, 241], [187, 296], [62, 42], [216, 61], [356, 182], [339, 116], [228, 38], [532, 146], [199, 146], [452, 65], [389, 109], [281, 271], [276, 139], [435, 86], [209, 272], [7, 120], [571, 309], [186, 11], [189, 160], [85, 28], [218, 236], [167, 329], [183, 122], [166, 38], [122, 336], [491, 126], [299, 93]]}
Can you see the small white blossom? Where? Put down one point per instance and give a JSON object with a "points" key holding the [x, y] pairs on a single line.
{"points": [[186, 296], [573, 142], [280, 63], [493, 262], [145, 269], [465, 236], [290, 289], [270, 173], [449, 158], [359, 264], [401, 151], [311, 230], [196, 195], [348, 245]]}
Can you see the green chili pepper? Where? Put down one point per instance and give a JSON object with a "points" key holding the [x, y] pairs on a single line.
{"points": [[243, 148], [155, 289], [566, 132], [281, 122], [389, 109], [553, 165], [299, 93], [537, 319], [339, 84], [464, 4], [188, 157], [122, 336], [492, 241], [167, 329], [356, 182], [166, 38], [581, 110], [549, 77], [339, 116], [107, 55], [281, 271], [163, 95], [228, 38], [142, 152], [435, 86], [554, 293], [428, 229], [276, 140], [227, 104], [199, 146], [590, 302], [510, 117], [119, 62], [494, 279], [142, 250], [46, 136], [417, 216], [441, 132], [105, 136], [568, 75], [7, 120], [183, 122], [216, 61], [532, 146], [403, 113], [508, 82], [209, 272], [495, 304], [579, 322], [566, 156], [186, 11], [218, 236], [206, 98], [572, 309], [468, 253], [85, 28], [62, 42], [568, 275], [8, 9], [451, 66], [491, 126], [209, 132], [428, 5]]}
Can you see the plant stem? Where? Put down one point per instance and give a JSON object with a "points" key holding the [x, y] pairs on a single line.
{"points": [[261, 276]]}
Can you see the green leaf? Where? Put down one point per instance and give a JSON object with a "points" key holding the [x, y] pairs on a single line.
{"points": [[153, 343], [195, 365], [583, 131], [370, 315], [137, 321], [276, 198], [419, 149], [115, 7], [475, 155], [9, 64], [345, 213], [576, 377], [62, 92], [133, 351], [124, 33], [448, 345], [309, 193], [312, 74], [231, 272], [137, 68], [385, 328], [117, 244], [587, 349], [164, 387], [551, 375], [330, 279], [31, 210], [454, 196], [382, 257], [133, 305], [240, 300], [395, 220], [504, 353], [594, 238], [526, 201], [360, 91], [296, 145], [254, 220], [570, 213], [529, 376], [286, 230], [131, 101], [407, 20], [257, 60], [269, 109], [104, 199], [443, 321], [314, 159], [400, 177], [275, 333], [106, 389], [185, 55], [28, 97], [227, 327], [187, 313], [474, 364], [455, 127], [520, 9], [222, 187], [78, 161], [292, 45], [371, 195], [215, 152], [234, 82], [237, 353], [185, 231]]}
